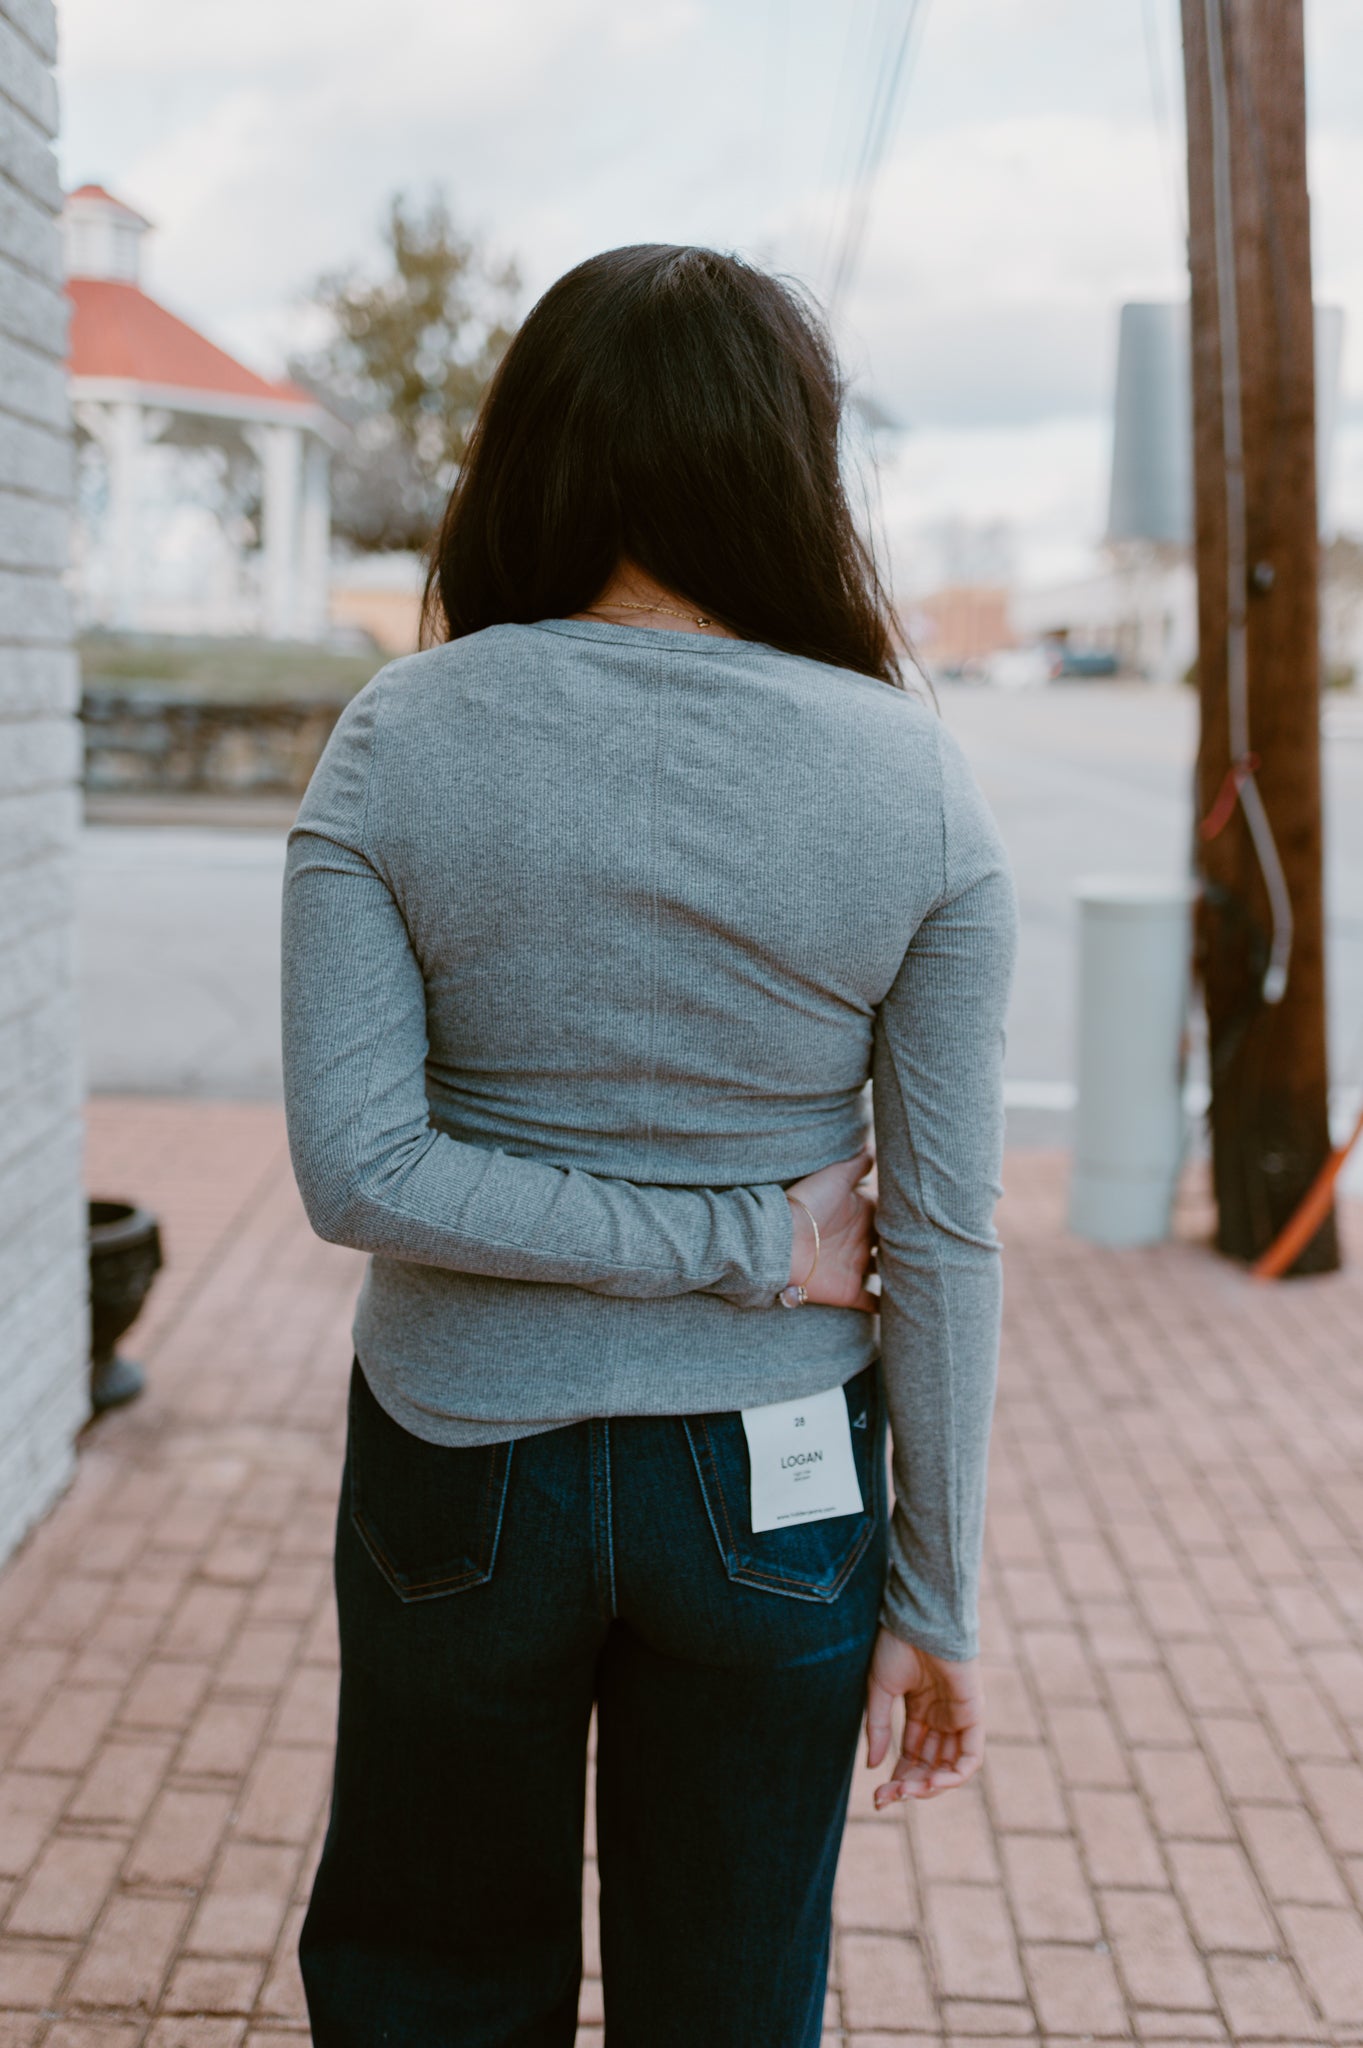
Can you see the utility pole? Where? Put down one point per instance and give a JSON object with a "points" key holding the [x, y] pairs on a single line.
{"points": [[1258, 766]]}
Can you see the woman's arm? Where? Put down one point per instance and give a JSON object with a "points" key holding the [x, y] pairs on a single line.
{"points": [[372, 1171], [938, 1095]]}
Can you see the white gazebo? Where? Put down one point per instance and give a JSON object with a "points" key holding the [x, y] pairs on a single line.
{"points": [[204, 490]]}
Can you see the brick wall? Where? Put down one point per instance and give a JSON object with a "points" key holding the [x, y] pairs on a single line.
{"points": [[43, 1342]]}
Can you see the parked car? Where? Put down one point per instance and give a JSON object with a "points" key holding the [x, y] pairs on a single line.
{"points": [[1070, 665]]}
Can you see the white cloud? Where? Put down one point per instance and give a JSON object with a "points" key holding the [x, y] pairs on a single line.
{"points": [[1043, 484], [414, 44], [1028, 193], [999, 255]]}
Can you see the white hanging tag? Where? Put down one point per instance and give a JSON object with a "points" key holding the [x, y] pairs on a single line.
{"points": [[802, 1464]]}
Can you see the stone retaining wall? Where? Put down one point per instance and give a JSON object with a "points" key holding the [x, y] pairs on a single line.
{"points": [[145, 738]]}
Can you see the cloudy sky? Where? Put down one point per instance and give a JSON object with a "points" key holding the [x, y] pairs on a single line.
{"points": [[1032, 184]]}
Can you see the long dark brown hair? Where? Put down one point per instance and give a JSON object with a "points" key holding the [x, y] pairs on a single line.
{"points": [[678, 409]]}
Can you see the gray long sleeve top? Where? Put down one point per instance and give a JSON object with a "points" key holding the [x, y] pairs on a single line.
{"points": [[592, 937]]}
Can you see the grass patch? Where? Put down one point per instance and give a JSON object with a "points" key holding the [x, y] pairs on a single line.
{"points": [[235, 671]]}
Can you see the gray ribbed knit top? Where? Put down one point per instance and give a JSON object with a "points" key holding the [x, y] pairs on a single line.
{"points": [[592, 938]]}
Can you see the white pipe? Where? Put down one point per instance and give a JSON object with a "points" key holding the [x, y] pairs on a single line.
{"points": [[1237, 570], [1130, 1128]]}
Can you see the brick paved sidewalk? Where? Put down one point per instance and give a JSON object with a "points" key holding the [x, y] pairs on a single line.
{"points": [[1167, 1842]]}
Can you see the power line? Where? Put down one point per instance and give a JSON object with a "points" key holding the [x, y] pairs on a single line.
{"points": [[864, 33], [887, 96], [775, 78], [860, 21], [1160, 104]]}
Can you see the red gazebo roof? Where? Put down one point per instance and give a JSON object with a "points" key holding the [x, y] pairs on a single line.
{"points": [[119, 333], [98, 192]]}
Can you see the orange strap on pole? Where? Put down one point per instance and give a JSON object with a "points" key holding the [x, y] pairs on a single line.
{"points": [[1234, 780], [1310, 1213]]}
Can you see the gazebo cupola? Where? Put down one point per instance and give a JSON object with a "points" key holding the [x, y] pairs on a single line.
{"points": [[144, 381], [103, 237]]}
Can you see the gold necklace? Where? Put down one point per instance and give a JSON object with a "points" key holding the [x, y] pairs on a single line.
{"points": [[622, 604]]}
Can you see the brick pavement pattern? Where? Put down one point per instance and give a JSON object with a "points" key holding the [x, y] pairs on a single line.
{"points": [[1166, 1843]]}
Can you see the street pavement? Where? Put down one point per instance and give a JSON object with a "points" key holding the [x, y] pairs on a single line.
{"points": [[1165, 1844], [179, 959], [180, 923]]}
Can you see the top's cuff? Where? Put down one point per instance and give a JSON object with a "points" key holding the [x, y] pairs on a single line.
{"points": [[904, 1616], [771, 1245]]}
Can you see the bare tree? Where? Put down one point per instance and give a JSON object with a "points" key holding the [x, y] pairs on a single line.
{"points": [[407, 359]]}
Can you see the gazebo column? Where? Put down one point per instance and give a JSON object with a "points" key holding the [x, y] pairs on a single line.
{"points": [[315, 542], [124, 452], [123, 429], [280, 451], [119, 428]]}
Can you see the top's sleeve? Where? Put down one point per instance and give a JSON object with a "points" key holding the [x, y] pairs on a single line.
{"points": [[372, 1170], [938, 1096]]}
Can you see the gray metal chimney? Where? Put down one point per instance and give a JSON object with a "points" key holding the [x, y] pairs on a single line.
{"points": [[1151, 496]]}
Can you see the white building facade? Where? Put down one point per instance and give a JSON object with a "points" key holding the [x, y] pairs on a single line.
{"points": [[1140, 606], [44, 1332]]}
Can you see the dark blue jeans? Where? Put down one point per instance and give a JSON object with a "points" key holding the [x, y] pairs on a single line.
{"points": [[489, 1598]]}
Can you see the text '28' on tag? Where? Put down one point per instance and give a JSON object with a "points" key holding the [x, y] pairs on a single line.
{"points": [[802, 1464]]}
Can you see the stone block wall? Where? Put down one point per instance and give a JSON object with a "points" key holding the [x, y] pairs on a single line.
{"points": [[44, 1374], [146, 740]]}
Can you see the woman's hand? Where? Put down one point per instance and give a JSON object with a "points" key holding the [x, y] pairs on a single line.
{"points": [[846, 1219], [943, 1740]]}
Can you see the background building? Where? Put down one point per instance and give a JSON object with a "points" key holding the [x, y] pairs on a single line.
{"points": [[379, 597], [202, 488], [1140, 604], [958, 624]]}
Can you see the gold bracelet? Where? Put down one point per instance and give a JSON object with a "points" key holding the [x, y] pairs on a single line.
{"points": [[818, 1242]]}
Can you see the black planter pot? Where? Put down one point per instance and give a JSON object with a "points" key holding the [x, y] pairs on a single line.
{"points": [[125, 1254]]}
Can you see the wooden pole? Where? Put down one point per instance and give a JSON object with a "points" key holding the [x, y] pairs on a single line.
{"points": [[1269, 1115]]}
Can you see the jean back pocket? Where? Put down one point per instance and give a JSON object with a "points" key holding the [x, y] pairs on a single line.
{"points": [[812, 1560], [430, 1515]]}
